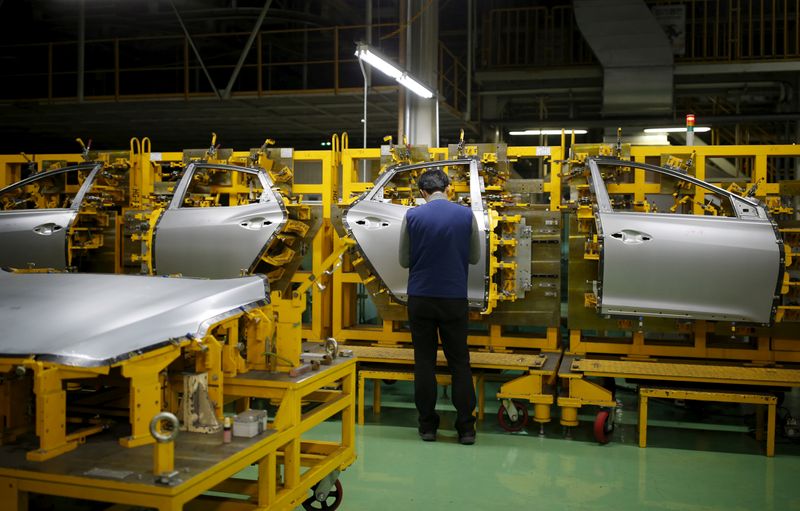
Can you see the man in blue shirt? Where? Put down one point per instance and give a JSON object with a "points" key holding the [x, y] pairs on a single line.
{"points": [[438, 241]]}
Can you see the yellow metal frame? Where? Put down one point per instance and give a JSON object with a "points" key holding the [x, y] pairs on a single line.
{"points": [[378, 375], [771, 345], [391, 333], [283, 447], [574, 372], [768, 400]]}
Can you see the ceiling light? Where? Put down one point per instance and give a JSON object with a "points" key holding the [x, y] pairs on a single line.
{"points": [[414, 86], [548, 132], [378, 62], [678, 129]]}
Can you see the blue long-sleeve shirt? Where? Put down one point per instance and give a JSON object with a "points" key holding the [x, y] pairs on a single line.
{"points": [[438, 241]]}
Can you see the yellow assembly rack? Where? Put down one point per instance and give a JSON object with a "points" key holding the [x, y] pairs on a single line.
{"points": [[197, 463], [535, 384], [81, 450], [590, 333], [340, 174], [718, 381]]}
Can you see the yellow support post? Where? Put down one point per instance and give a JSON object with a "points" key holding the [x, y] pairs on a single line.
{"points": [[51, 415], [51, 409], [146, 392], [10, 495]]}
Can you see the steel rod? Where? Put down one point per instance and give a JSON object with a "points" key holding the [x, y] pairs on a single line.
{"points": [[246, 49]]}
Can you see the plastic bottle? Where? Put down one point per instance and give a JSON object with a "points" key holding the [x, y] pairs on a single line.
{"points": [[227, 432]]}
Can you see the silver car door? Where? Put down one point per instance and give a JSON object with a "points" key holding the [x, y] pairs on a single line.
{"points": [[217, 242], [38, 237], [687, 266], [375, 225]]}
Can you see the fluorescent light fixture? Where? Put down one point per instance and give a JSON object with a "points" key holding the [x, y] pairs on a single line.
{"points": [[378, 62], [679, 129], [414, 86], [548, 132]]}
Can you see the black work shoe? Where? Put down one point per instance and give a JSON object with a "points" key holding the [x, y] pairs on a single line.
{"points": [[428, 436], [467, 438]]}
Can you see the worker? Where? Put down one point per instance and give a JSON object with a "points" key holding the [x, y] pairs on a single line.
{"points": [[438, 241]]}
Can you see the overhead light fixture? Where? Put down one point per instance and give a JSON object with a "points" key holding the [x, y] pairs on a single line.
{"points": [[382, 64], [678, 129], [377, 61], [414, 86], [549, 132]]}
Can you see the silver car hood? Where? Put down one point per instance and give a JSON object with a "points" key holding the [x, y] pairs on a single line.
{"points": [[95, 320]]}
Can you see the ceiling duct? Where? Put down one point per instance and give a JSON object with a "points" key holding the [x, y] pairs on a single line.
{"points": [[635, 53]]}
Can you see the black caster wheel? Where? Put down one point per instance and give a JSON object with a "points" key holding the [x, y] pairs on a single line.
{"points": [[329, 504], [603, 427], [513, 425]]}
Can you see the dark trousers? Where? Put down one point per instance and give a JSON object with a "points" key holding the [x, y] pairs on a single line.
{"points": [[431, 319]]}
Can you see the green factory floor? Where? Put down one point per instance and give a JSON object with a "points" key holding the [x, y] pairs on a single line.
{"points": [[699, 458], [688, 465]]}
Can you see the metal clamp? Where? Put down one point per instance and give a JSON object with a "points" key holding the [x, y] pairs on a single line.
{"points": [[164, 437]]}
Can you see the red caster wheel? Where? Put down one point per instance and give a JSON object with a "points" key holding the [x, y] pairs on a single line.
{"points": [[603, 427], [329, 504], [509, 424]]}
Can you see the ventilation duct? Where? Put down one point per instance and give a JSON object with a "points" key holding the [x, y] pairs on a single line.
{"points": [[635, 53]]}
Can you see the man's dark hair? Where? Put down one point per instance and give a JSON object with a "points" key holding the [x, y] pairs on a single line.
{"points": [[433, 180]]}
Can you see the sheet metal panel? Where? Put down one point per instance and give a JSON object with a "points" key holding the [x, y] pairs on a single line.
{"points": [[697, 267], [686, 266], [217, 242], [95, 319], [37, 236], [375, 225]]}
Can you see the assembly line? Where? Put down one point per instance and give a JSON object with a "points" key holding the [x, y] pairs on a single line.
{"points": [[105, 361]]}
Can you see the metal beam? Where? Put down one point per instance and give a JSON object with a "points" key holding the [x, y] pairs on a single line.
{"points": [[81, 47], [194, 49], [246, 49]]}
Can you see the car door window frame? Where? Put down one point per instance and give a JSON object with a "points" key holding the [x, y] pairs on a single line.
{"points": [[267, 195], [476, 204], [743, 208], [76, 200]]}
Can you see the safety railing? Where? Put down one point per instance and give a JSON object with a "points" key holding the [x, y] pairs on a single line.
{"points": [[280, 61], [711, 31], [740, 29], [452, 79], [533, 36]]}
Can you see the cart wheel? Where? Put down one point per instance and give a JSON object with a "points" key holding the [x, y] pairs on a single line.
{"points": [[522, 417], [603, 427], [329, 504]]}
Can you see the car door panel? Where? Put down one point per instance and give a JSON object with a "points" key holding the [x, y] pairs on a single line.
{"points": [[37, 237], [375, 225], [216, 242], [686, 266], [376, 228]]}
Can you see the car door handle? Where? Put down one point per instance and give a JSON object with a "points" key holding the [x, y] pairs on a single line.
{"points": [[373, 223], [47, 229], [255, 223], [631, 237]]}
